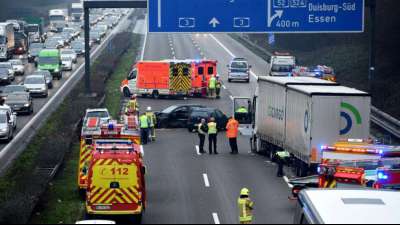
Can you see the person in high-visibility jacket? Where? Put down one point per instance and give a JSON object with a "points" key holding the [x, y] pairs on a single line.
{"points": [[212, 85], [281, 157], [242, 109], [212, 136], [232, 132], [133, 106], [152, 123], [144, 128], [246, 207]]}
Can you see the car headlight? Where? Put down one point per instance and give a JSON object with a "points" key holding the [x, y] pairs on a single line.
{"points": [[26, 105], [3, 130]]}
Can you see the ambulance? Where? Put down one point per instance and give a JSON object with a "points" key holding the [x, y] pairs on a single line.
{"points": [[169, 78], [93, 129], [116, 180]]}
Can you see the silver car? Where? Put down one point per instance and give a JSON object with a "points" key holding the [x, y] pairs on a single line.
{"points": [[6, 126], [18, 66], [239, 69], [36, 85]]}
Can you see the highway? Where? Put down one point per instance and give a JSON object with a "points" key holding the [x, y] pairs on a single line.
{"points": [[27, 125], [184, 187]]}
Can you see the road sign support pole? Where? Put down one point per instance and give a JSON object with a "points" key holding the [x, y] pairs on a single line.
{"points": [[372, 45], [88, 88]]}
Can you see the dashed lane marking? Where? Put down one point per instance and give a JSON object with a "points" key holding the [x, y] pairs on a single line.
{"points": [[198, 150], [286, 179], [216, 218], [206, 181]]}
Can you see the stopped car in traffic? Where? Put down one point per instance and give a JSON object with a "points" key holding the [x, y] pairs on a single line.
{"points": [[95, 37], [6, 126], [36, 84], [47, 75], [13, 118], [9, 67], [11, 89], [78, 47], [66, 63], [197, 114], [34, 50], [69, 53], [18, 66], [175, 116], [20, 102], [4, 76], [239, 70]]}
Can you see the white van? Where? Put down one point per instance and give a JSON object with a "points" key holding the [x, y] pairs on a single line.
{"points": [[336, 206]]}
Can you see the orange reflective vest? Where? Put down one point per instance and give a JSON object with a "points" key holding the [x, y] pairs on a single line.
{"points": [[232, 128]]}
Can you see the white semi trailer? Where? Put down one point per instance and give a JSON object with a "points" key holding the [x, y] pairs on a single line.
{"points": [[300, 114], [7, 41], [58, 19]]}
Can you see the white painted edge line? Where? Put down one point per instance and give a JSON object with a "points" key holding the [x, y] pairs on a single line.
{"points": [[224, 87], [145, 40], [49, 103], [206, 181], [216, 218], [230, 52], [198, 150], [286, 179], [142, 150], [231, 97]]}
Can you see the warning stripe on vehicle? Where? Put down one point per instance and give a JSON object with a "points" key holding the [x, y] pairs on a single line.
{"points": [[112, 196], [179, 81], [85, 158]]}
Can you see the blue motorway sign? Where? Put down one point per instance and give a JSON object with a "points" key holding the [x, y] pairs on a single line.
{"points": [[256, 16]]}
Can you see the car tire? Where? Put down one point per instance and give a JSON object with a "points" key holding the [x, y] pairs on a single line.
{"points": [[156, 95], [230, 80]]}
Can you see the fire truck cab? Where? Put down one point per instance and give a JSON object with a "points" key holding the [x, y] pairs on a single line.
{"points": [[94, 129], [116, 179]]}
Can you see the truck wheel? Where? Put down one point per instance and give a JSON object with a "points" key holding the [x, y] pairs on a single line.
{"points": [[253, 144], [127, 93], [230, 80]]}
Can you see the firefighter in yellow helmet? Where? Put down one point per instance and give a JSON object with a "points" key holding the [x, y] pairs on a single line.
{"points": [[246, 207], [132, 106]]}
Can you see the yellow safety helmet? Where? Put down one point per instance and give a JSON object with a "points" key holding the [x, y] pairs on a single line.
{"points": [[245, 192]]}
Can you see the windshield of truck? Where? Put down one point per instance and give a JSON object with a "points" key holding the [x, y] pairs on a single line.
{"points": [[36, 46], [282, 68], [2, 40], [57, 18], [49, 60], [34, 80], [32, 28]]}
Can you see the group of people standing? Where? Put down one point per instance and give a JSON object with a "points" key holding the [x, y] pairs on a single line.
{"points": [[212, 88], [211, 129]]}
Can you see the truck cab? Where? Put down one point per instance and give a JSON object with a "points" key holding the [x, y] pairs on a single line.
{"points": [[128, 86], [281, 65], [116, 180], [50, 60]]}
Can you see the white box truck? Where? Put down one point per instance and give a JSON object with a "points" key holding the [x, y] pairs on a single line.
{"points": [[320, 115], [7, 41], [284, 120]]}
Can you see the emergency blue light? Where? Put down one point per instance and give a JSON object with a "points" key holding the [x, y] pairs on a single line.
{"points": [[382, 176], [111, 126], [319, 170]]}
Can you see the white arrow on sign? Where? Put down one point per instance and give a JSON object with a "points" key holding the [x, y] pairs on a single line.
{"points": [[214, 22], [278, 14]]}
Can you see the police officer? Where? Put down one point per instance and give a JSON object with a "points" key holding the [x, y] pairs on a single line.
{"points": [[202, 130], [246, 207], [152, 123], [281, 157], [144, 128], [212, 136]]}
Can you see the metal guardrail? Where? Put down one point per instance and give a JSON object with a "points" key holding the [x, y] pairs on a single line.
{"points": [[378, 117], [385, 121]]}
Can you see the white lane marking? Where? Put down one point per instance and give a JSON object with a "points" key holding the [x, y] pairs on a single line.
{"points": [[216, 218], [206, 181], [223, 86], [231, 97], [142, 150], [145, 41], [230, 53], [286, 179], [198, 150]]}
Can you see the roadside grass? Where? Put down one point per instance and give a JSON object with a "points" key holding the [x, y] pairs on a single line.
{"points": [[62, 203]]}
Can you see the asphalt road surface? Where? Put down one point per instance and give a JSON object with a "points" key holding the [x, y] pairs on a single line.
{"points": [[184, 187]]}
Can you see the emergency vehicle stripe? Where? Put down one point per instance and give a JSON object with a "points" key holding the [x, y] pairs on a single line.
{"points": [[133, 193], [109, 197], [99, 196], [95, 192], [119, 198], [128, 196]]}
